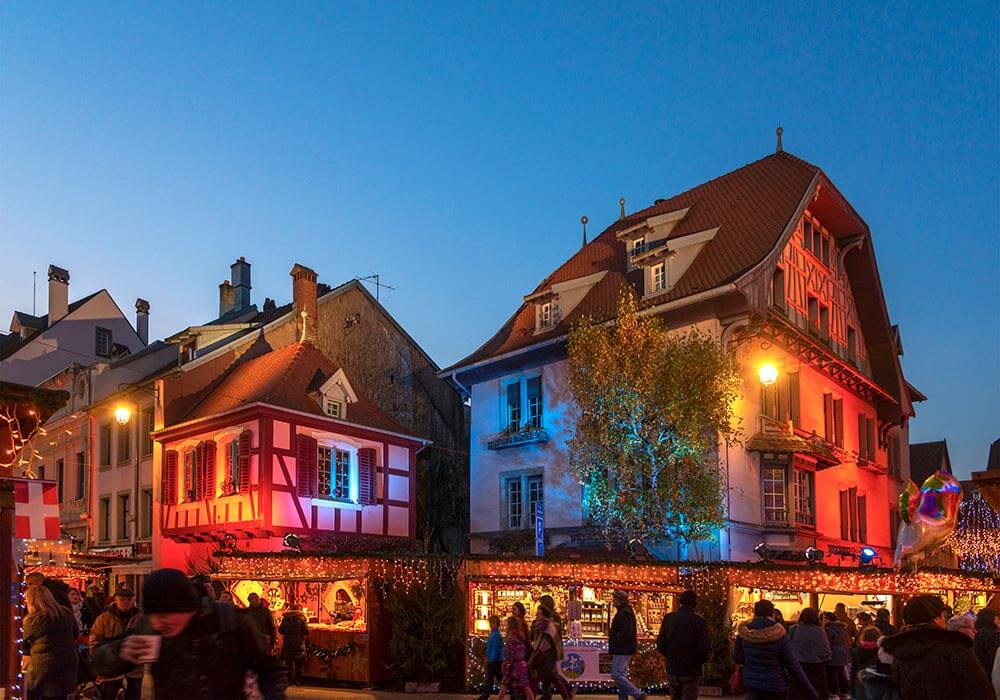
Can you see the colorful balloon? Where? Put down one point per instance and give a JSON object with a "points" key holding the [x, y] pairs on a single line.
{"points": [[929, 515]]}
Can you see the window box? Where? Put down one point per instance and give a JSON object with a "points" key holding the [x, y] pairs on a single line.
{"points": [[514, 437]]}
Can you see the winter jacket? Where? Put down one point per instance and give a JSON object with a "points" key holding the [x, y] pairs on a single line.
{"points": [[987, 639], [112, 623], [885, 627], [810, 643], [494, 647], [763, 648], [51, 644], [622, 640], [930, 663], [294, 631], [840, 645], [92, 609], [209, 660], [264, 621], [684, 642], [849, 627]]}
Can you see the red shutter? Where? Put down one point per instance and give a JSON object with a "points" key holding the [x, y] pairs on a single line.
{"points": [[367, 486], [243, 474], [306, 478], [170, 478], [198, 478], [208, 469]]}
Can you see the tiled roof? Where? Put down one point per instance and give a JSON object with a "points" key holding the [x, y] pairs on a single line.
{"points": [[772, 442], [926, 458], [751, 207], [284, 378]]}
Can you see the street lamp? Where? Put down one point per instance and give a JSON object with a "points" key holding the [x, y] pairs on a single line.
{"points": [[768, 374], [123, 415]]}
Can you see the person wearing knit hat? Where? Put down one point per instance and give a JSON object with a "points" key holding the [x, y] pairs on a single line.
{"points": [[205, 648], [931, 661]]}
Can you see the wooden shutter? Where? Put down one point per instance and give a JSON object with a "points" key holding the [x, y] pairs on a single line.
{"points": [[862, 519], [845, 517], [306, 478], [367, 484], [198, 473], [793, 396], [870, 432], [862, 436], [209, 453], [170, 478], [828, 417], [852, 504], [838, 422], [243, 468]]}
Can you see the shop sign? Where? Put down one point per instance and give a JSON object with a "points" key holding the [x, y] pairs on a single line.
{"points": [[124, 552], [143, 549], [585, 663], [539, 529]]}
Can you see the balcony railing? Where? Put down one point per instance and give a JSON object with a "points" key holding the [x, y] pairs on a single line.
{"points": [[514, 437]]}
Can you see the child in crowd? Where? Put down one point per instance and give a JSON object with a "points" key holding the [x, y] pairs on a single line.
{"points": [[494, 657], [515, 666]]}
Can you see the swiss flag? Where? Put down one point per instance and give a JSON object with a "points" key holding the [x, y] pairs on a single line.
{"points": [[36, 509]]}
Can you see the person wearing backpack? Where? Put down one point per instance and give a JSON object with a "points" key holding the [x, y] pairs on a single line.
{"points": [[205, 648]]}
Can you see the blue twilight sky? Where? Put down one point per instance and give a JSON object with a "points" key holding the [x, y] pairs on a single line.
{"points": [[453, 148]]}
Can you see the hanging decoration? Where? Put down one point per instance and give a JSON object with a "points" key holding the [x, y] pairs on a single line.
{"points": [[19, 435], [929, 515], [976, 539]]}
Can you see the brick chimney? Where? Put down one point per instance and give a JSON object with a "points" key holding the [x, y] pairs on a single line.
{"points": [[142, 320], [240, 276], [227, 298], [304, 298], [58, 293]]}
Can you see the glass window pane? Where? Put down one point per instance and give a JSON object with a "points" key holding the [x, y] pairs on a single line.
{"points": [[342, 475], [323, 475], [535, 402]]}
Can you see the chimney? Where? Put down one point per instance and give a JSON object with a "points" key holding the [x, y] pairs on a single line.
{"points": [[240, 276], [58, 293], [227, 298], [142, 320], [304, 298]]}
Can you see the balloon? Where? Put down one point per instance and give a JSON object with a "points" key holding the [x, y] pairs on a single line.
{"points": [[929, 515]]}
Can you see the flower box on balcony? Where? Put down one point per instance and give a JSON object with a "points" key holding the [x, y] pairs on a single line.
{"points": [[513, 438]]}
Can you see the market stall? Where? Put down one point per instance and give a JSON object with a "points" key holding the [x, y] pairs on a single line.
{"points": [[582, 596], [334, 595]]}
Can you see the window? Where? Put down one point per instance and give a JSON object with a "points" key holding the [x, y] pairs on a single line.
{"points": [[866, 438], [81, 474], [824, 322], [104, 436], [805, 513], [522, 494], [807, 235], [817, 241], [334, 473], [232, 482], [775, 493], [778, 289], [852, 346], [828, 417], [535, 402], [60, 479], [190, 477], [104, 519], [780, 400], [659, 277], [894, 466], [146, 425], [124, 442], [639, 246], [102, 342], [513, 407], [863, 519], [838, 422], [332, 408], [123, 516], [545, 315], [146, 523], [849, 514], [825, 252], [188, 353], [41, 471], [812, 304]]}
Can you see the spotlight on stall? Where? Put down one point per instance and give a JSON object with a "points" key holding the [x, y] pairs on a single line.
{"points": [[763, 552], [868, 556], [813, 555], [292, 541]]}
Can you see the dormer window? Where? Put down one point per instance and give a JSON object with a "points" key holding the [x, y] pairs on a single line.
{"points": [[545, 315], [639, 246], [659, 277], [333, 408]]}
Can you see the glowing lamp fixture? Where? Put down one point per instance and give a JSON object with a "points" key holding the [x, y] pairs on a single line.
{"points": [[868, 556], [813, 555], [122, 415], [768, 374]]}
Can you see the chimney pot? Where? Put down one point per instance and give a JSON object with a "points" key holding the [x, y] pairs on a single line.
{"points": [[142, 320], [227, 298], [304, 298], [58, 293], [240, 276]]}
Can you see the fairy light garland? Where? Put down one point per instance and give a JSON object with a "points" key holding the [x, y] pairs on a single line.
{"points": [[976, 539], [17, 689], [19, 450]]}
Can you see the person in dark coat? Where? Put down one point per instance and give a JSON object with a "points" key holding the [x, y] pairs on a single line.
{"points": [[987, 638], [262, 617], [931, 662], [121, 615], [767, 658], [882, 622], [206, 649], [840, 653], [58, 589], [93, 605], [811, 647], [49, 638], [622, 644], [684, 643], [294, 629], [870, 677]]}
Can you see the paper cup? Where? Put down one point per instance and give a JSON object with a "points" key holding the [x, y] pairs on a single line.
{"points": [[152, 643]]}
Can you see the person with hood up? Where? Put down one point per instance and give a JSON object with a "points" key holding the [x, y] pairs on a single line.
{"points": [[931, 662], [205, 649], [987, 638], [120, 616], [840, 650], [763, 649], [869, 675], [811, 646], [293, 629]]}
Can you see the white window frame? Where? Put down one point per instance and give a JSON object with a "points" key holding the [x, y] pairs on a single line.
{"points": [[325, 440], [525, 415], [659, 273], [333, 408], [524, 504], [545, 314], [638, 246], [770, 497]]}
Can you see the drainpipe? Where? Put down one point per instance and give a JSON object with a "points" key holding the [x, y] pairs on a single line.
{"points": [[462, 389]]}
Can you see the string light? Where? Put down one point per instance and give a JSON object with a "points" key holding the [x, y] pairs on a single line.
{"points": [[976, 539]]}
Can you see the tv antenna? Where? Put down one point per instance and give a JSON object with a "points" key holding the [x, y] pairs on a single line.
{"points": [[373, 279]]}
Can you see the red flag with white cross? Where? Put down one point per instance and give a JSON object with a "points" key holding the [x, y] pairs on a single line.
{"points": [[36, 509]]}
